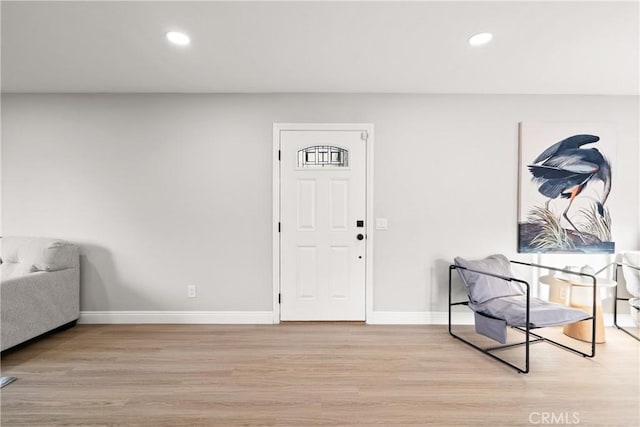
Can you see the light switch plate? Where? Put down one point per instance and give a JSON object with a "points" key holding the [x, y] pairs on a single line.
{"points": [[382, 224]]}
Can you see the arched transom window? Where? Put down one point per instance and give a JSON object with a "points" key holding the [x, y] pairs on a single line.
{"points": [[320, 156]]}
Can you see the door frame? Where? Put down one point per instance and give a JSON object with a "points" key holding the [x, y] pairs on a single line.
{"points": [[276, 254]]}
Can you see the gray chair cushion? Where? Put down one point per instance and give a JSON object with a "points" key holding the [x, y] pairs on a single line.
{"points": [[481, 287], [541, 313]]}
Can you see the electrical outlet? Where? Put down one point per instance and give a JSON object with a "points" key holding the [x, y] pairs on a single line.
{"points": [[191, 291]]}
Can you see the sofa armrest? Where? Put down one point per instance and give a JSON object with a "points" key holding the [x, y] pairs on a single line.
{"points": [[37, 303]]}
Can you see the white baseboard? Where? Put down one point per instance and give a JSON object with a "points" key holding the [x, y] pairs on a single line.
{"points": [[266, 317], [258, 317], [184, 317], [418, 318]]}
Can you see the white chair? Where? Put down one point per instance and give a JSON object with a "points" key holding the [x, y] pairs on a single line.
{"points": [[629, 264]]}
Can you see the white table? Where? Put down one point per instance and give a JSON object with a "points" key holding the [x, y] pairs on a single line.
{"points": [[561, 292]]}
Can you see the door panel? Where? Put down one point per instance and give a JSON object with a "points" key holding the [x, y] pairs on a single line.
{"points": [[306, 205], [322, 196], [306, 273], [339, 204], [339, 273]]}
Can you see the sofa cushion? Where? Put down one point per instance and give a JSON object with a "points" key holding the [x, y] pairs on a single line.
{"points": [[9, 270], [42, 254], [481, 287], [9, 248]]}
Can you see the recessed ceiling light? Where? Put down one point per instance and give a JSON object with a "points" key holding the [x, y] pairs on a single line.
{"points": [[480, 39], [178, 38]]}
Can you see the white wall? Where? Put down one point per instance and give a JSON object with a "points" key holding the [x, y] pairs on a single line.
{"points": [[162, 191]]}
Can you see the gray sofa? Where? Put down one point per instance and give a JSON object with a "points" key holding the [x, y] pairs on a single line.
{"points": [[40, 287]]}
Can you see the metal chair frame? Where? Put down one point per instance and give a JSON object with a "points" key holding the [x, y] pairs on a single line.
{"points": [[489, 351], [617, 298]]}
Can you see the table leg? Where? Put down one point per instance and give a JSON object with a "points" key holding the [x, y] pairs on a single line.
{"points": [[582, 330], [559, 293]]}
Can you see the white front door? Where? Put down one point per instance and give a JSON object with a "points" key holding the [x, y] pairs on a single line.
{"points": [[322, 219]]}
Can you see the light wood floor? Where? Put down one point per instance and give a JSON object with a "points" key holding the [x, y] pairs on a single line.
{"points": [[309, 375]]}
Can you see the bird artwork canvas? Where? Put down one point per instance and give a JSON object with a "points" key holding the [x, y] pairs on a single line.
{"points": [[565, 188]]}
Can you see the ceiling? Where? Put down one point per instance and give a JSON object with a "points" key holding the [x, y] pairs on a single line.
{"points": [[549, 47]]}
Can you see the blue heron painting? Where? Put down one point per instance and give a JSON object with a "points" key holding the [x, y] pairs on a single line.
{"points": [[561, 173]]}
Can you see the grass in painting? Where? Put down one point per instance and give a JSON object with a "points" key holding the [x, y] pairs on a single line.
{"points": [[596, 224], [552, 234]]}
